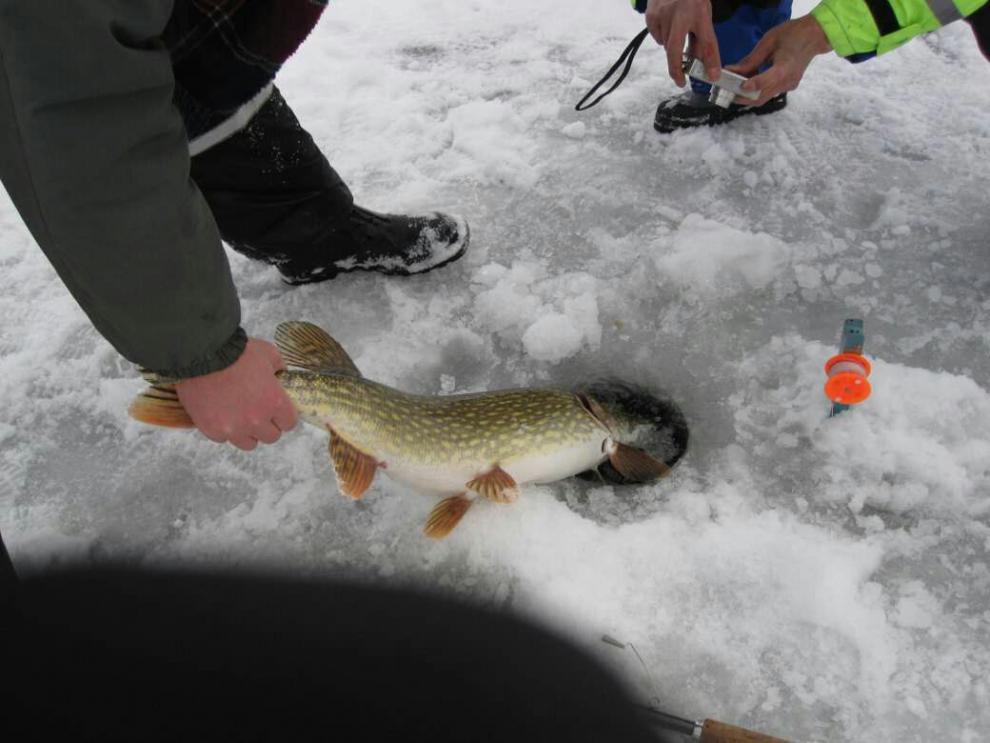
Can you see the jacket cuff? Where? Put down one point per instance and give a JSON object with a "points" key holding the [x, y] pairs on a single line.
{"points": [[220, 359], [848, 25]]}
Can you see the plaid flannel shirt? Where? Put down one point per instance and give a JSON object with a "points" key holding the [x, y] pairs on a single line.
{"points": [[224, 52]]}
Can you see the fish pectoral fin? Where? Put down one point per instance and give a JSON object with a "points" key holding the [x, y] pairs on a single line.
{"points": [[595, 410], [635, 464], [496, 485], [355, 469], [159, 405], [446, 515], [310, 347]]}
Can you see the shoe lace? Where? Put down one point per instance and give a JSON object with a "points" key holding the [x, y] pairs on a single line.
{"points": [[627, 56]]}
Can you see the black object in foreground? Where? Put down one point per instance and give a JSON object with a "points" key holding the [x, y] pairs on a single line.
{"points": [[114, 655], [8, 577]]}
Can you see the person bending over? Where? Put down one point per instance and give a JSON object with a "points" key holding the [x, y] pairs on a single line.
{"points": [[134, 136]]}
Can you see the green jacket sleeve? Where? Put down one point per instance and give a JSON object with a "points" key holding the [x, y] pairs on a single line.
{"points": [[859, 29], [95, 158]]}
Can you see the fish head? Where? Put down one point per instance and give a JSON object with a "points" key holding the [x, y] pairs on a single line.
{"points": [[646, 419]]}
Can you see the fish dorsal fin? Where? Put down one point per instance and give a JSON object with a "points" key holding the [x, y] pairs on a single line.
{"points": [[310, 347], [160, 406], [635, 464], [155, 379], [355, 469], [496, 485], [446, 515]]}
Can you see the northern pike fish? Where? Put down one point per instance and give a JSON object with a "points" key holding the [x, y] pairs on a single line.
{"points": [[458, 446]]}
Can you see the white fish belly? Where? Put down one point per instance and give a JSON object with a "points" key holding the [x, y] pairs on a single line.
{"points": [[539, 468], [431, 480], [558, 464]]}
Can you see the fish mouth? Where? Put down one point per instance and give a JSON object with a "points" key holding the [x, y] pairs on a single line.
{"points": [[639, 417]]}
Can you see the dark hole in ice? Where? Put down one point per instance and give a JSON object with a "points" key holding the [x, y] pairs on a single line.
{"points": [[650, 420]]}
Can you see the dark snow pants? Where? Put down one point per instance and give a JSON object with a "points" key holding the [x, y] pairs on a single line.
{"points": [[741, 31], [980, 21], [7, 575], [271, 190]]}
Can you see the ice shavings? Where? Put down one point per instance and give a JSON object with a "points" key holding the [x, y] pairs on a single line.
{"points": [[553, 317], [714, 258], [487, 138], [553, 337]]}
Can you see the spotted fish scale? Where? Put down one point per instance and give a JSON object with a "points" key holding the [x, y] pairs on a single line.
{"points": [[489, 427]]}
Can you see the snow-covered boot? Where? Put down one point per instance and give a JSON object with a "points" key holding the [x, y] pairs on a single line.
{"points": [[388, 243], [692, 109], [276, 198]]}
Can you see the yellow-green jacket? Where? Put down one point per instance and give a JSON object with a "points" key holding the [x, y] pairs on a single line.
{"points": [[861, 29]]}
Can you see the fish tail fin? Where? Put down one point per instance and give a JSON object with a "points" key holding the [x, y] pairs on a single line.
{"points": [[159, 405], [310, 347], [635, 464], [446, 515]]}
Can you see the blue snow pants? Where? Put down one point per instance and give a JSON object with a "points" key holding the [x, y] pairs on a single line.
{"points": [[740, 32]]}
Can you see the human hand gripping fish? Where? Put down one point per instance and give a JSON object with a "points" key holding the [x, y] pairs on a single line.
{"points": [[458, 446]]}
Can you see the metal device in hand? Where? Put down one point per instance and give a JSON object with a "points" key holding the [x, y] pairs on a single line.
{"points": [[726, 89]]}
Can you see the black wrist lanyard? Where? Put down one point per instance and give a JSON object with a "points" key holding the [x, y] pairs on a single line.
{"points": [[628, 55]]}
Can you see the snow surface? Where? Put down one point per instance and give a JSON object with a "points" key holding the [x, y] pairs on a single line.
{"points": [[818, 579]]}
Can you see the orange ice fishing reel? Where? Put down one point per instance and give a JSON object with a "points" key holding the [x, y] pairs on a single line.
{"points": [[848, 372]]}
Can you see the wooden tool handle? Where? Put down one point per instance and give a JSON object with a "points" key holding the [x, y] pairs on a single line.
{"points": [[714, 731]]}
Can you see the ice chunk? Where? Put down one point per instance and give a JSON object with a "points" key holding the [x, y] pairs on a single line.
{"points": [[712, 257], [553, 337], [575, 130]]}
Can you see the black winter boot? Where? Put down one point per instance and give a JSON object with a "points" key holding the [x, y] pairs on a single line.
{"points": [[387, 243], [692, 109], [275, 198]]}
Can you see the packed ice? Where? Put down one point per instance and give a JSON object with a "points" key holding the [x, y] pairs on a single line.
{"points": [[816, 578]]}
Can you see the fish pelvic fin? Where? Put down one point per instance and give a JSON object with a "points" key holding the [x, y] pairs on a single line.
{"points": [[159, 405], [310, 347], [355, 469], [635, 464], [446, 515], [496, 485]]}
